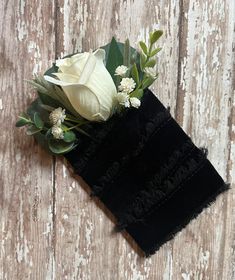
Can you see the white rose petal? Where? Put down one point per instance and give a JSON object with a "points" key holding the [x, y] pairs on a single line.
{"points": [[121, 70], [127, 85], [87, 84], [57, 116], [135, 102], [57, 132]]}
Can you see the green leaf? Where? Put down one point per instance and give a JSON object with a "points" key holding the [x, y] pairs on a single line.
{"points": [[38, 121], [142, 61], [143, 47], [126, 54], [114, 58], [48, 134], [47, 100], [36, 106], [147, 82], [42, 141], [50, 71], [53, 95], [60, 147], [154, 52], [155, 36], [69, 136], [151, 63], [32, 129], [24, 119], [138, 93], [135, 74]]}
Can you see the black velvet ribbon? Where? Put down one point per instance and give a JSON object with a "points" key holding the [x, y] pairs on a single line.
{"points": [[147, 172]]}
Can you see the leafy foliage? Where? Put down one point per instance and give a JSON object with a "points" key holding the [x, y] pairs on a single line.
{"points": [[60, 146], [50, 96], [118, 54]]}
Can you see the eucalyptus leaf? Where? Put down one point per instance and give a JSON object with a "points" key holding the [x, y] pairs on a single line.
{"points": [[48, 134], [42, 141], [23, 120], [60, 147], [36, 106], [69, 136], [38, 121], [32, 129]]}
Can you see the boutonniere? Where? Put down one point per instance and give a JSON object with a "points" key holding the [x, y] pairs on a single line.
{"points": [[96, 108], [85, 88]]}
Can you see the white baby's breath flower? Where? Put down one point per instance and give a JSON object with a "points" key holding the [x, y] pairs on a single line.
{"points": [[135, 102], [121, 70], [57, 132], [150, 72], [127, 85], [57, 116], [123, 99]]}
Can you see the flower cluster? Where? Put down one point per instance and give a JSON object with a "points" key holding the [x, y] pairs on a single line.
{"points": [[127, 86], [82, 88], [56, 118]]}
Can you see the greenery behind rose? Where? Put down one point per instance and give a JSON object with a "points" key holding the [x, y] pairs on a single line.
{"points": [[84, 88]]}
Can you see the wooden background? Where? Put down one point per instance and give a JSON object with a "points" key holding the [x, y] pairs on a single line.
{"points": [[50, 228]]}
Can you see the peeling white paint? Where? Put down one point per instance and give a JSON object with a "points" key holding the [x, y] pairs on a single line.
{"points": [[22, 248], [168, 273], [72, 186], [64, 171]]}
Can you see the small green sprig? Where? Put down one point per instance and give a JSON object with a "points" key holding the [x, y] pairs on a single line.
{"points": [[58, 138], [145, 76], [34, 125]]}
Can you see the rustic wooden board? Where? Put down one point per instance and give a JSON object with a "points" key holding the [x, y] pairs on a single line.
{"points": [[51, 228], [27, 177]]}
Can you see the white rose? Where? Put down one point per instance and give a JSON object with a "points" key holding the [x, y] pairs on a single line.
{"points": [[87, 84]]}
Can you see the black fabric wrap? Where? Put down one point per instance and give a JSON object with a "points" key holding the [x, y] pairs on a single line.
{"points": [[147, 172]]}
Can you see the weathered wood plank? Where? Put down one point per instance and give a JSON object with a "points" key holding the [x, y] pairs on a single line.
{"points": [[26, 180], [51, 229], [86, 247], [205, 100]]}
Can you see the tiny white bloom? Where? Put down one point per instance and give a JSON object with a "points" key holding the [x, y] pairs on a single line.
{"points": [[57, 132], [123, 99], [150, 72], [121, 70], [57, 116], [135, 102], [127, 85]]}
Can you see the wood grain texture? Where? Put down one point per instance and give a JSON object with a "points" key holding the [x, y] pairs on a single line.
{"points": [[51, 228], [26, 171]]}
